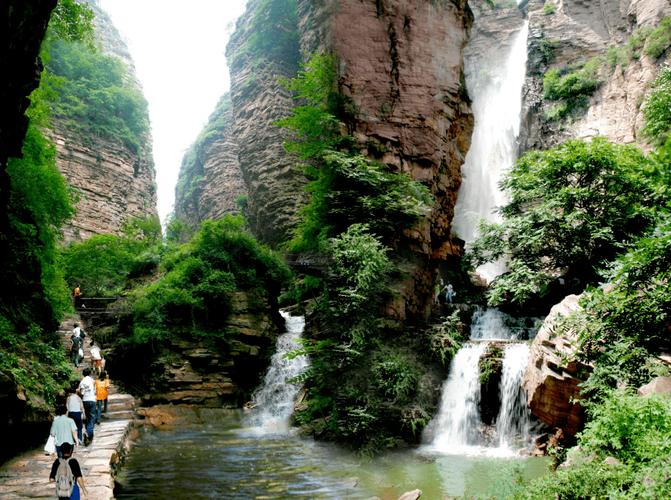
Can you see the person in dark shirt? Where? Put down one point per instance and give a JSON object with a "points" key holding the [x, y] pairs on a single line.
{"points": [[66, 449]]}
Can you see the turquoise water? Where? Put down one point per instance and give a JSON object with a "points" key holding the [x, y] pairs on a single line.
{"points": [[223, 460]]}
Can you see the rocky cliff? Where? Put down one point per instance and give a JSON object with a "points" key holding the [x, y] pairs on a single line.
{"points": [[609, 34], [205, 372], [114, 181], [210, 180], [400, 64]]}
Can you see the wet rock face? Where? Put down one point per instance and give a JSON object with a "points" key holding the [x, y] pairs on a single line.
{"points": [[577, 31], [401, 66], [552, 378]]}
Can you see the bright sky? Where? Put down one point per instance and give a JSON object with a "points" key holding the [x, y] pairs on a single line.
{"points": [[178, 49]]}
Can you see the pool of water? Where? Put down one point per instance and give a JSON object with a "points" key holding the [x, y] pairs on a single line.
{"points": [[224, 460]]}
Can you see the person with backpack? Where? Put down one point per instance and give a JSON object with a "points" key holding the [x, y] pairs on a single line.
{"points": [[87, 390], [64, 429], [67, 474]]}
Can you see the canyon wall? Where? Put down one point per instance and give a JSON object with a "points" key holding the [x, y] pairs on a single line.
{"points": [[571, 33], [400, 64], [113, 181], [210, 181]]}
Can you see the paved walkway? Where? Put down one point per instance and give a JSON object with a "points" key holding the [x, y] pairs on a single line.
{"points": [[27, 476]]}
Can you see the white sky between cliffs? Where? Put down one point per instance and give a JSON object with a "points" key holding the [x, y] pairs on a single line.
{"points": [[178, 50]]}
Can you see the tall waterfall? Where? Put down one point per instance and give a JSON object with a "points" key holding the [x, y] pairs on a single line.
{"points": [[512, 425], [495, 87], [273, 402]]}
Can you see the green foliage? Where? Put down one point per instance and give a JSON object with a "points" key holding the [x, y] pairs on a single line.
{"points": [[272, 35], [549, 9], [95, 95], [659, 39], [193, 295], [572, 209], [490, 364], [657, 108], [446, 338], [572, 86], [634, 430], [547, 49], [71, 21], [36, 362]]}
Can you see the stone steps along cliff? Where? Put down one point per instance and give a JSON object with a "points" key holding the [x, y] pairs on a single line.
{"points": [[27, 476]]}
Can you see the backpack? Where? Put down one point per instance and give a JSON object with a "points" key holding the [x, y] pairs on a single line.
{"points": [[76, 342], [65, 480]]}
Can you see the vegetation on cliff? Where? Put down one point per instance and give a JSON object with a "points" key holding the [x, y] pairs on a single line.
{"points": [[34, 294], [353, 222]]}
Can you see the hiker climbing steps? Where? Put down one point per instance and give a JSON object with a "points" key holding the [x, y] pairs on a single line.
{"points": [[27, 476]]}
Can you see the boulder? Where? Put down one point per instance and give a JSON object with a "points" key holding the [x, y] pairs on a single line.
{"points": [[411, 495], [551, 378], [659, 385]]}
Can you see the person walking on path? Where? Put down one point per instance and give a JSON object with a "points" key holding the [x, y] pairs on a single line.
{"points": [[449, 293], [64, 430], [77, 349], [102, 393], [97, 357], [67, 474], [75, 407], [76, 295], [87, 390]]}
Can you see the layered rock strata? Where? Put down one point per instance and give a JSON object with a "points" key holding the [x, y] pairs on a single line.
{"points": [[274, 182], [210, 180], [205, 372], [114, 183], [576, 31], [400, 64], [552, 377]]}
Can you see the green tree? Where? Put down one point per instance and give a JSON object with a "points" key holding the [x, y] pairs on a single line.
{"points": [[573, 208], [657, 108]]}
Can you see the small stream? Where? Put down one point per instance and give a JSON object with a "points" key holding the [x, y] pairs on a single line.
{"points": [[223, 459]]}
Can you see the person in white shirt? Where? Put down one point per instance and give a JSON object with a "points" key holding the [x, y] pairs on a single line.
{"points": [[87, 390], [75, 407]]}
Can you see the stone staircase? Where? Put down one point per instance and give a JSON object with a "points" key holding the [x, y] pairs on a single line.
{"points": [[27, 476]]}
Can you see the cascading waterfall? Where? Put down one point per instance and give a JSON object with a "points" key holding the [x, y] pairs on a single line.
{"points": [[512, 424], [458, 429], [496, 91], [273, 403], [459, 416]]}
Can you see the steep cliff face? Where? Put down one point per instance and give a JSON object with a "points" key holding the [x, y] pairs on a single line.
{"points": [[401, 66], [114, 181], [264, 49], [210, 180], [571, 33]]}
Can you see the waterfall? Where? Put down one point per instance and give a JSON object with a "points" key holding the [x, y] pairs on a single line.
{"points": [[512, 424], [273, 402], [459, 415], [496, 91]]}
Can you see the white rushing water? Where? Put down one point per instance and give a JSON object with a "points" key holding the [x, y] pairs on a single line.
{"points": [[458, 420], [513, 422], [495, 87], [273, 402]]}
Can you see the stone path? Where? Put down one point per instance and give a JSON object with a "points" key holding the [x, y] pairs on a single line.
{"points": [[27, 476]]}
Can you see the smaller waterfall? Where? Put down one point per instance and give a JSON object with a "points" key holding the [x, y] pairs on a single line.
{"points": [[273, 402], [459, 415], [512, 424]]}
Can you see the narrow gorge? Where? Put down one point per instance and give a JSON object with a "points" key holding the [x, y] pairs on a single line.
{"points": [[418, 248]]}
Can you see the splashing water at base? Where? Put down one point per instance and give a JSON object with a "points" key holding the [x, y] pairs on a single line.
{"points": [[456, 426], [513, 422], [273, 403]]}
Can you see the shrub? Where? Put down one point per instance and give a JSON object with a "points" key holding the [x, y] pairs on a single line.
{"points": [[657, 108], [549, 9], [659, 39]]}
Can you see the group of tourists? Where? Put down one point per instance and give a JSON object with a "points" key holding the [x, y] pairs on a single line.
{"points": [[447, 290], [75, 420]]}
